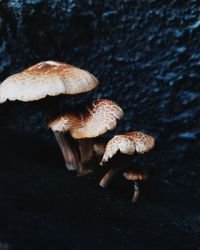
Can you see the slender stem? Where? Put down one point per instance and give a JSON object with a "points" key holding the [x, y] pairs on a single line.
{"points": [[108, 177], [86, 149], [136, 191], [99, 145], [69, 153], [87, 157]]}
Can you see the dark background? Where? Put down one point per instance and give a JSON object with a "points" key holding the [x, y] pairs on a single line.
{"points": [[146, 55]]}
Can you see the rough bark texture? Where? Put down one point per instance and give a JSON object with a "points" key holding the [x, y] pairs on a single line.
{"points": [[145, 53]]}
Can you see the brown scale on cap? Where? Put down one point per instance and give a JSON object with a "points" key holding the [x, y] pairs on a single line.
{"points": [[98, 119], [128, 143], [46, 78], [63, 123], [49, 67]]}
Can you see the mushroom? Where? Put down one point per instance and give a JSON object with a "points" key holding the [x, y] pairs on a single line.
{"points": [[136, 177], [98, 118], [49, 78], [127, 144]]}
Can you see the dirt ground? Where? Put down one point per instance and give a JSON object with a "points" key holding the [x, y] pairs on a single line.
{"points": [[43, 206]]}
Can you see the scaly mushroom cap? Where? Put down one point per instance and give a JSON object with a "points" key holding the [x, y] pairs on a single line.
{"points": [[63, 123], [46, 78], [99, 118], [128, 143]]}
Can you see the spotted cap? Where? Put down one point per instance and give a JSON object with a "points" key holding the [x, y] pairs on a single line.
{"points": [[99, 118], [128, 143]]}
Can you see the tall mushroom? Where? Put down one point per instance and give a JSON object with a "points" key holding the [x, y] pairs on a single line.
{"points": [[49, 78], [98, 118], [127, 144]]}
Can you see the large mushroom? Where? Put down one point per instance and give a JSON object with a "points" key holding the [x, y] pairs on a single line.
{"points": [[127, 144], [97, 118], [49, 78]]}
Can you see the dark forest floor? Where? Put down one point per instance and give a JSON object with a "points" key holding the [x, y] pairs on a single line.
{"points": [[42, 206]]}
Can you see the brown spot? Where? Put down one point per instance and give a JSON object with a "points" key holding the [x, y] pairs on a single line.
{"points": [[48, 68]]}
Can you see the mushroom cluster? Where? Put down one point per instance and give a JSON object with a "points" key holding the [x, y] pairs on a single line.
{"points": [[77, 131], [84, 126]]}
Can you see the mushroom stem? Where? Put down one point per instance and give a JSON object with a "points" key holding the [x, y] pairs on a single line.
{"points": [[136, 191], [99, 147], [87, 157], [69, 153], [108, 177], [86, 149]]}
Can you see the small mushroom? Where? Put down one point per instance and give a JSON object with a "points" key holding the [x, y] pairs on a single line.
{"points": [[136, 177], [49, 78], [98, 118], [127, 144]]}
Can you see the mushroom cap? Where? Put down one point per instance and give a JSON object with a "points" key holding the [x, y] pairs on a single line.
{"points": [[128, 143], [46, 78], [135, 176], [97, 120]]}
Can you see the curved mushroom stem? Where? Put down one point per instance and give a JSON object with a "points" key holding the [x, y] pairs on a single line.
{"points": [[108, 177], [87, 157], [136, 191], [69, 153], [90, 150], [99, 147], [121, 160]]}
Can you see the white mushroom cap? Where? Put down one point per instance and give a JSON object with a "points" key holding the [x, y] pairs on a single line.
{"points": [[46, 78], [128, 143], [99, 118]]}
